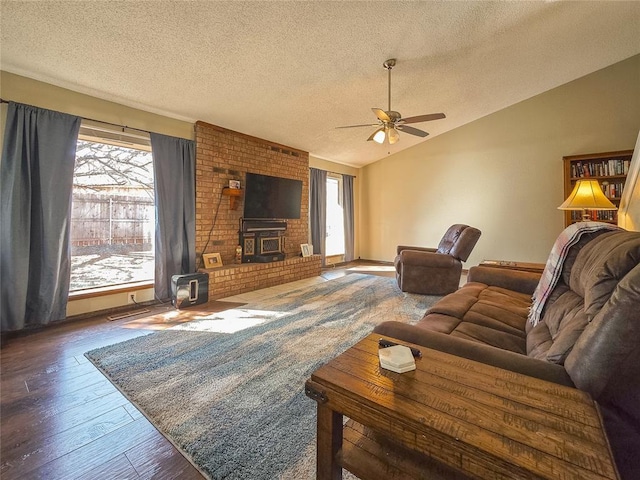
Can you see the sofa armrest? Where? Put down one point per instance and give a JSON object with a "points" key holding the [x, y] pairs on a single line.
{"points": [[478, 352], [418, 249], [516, 280], [427, 259]]}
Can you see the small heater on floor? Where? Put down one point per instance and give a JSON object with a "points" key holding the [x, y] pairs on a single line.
{"points": [[190, 289]]}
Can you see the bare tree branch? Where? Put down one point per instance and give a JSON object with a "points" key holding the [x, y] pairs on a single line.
{"points": [[100, 166]]}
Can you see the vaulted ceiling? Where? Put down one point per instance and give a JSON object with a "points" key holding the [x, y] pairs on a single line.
{"points": [[291, 71]]}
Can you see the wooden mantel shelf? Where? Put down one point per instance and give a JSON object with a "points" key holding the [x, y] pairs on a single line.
{"points": [[233, 194]]}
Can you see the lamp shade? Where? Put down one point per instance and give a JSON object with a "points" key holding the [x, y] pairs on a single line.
{"points": [[588, 195]]}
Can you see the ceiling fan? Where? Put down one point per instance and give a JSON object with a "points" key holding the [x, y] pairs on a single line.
{"points": [[391, 122]]}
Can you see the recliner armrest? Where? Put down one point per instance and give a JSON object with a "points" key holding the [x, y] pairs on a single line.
{"points": [[516, 280], [427, 259], [478, 352], [419, 249]]}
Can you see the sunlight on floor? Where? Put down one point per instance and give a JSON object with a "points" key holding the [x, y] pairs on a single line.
{"points": [[257, 295], [373, 268], [229, 321], [227, 315]]}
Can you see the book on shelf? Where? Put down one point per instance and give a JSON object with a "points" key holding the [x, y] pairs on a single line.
{"points": [[603, 168], [613, 190]]}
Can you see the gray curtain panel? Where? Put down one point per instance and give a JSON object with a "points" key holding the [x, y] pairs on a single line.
{"points": [[318, 210], [174, 170], [347, 206], [36, 181]]}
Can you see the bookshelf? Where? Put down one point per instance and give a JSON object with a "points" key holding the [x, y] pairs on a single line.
{"points": [[609, 168]]}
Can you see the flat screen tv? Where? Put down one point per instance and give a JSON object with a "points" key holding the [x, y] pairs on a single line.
{"points": [[271, 197]]}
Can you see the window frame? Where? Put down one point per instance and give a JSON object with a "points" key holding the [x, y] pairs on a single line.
{"points": [[338, 257], [93, 131]]}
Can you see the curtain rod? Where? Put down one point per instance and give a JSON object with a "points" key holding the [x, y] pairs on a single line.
{"points": [[336, 173], [2, 100]]}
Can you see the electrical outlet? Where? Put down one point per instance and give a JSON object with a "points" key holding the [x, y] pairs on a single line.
{"points": [[131, 297]]}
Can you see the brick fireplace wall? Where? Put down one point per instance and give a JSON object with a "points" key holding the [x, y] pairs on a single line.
{"points": [[223, 155]]}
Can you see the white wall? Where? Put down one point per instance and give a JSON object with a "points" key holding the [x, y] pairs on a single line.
{"points": [[502, 173], [32, 92]]}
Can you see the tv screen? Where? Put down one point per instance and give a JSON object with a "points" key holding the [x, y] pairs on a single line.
{"points": [[271, 197]]}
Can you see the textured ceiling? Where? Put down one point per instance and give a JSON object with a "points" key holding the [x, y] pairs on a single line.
{"points": [[290, 72]]}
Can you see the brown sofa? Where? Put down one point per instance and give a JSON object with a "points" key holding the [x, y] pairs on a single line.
{"points": [[588, 336]]}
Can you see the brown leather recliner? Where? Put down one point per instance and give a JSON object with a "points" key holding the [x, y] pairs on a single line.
{"points": [[436, 271]]}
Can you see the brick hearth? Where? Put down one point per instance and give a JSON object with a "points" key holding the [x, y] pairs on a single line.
{"points": [[237, 279]]}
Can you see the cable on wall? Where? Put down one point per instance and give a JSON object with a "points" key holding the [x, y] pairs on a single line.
{"points": [[204, 250]]}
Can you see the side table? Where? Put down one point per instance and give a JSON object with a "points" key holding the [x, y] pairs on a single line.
{"points": [[524, 266]]}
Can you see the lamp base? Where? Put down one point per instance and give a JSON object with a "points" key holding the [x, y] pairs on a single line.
{"points": [[585, 215]]}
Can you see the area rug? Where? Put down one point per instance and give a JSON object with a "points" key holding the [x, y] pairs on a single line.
{"points": [[227, 389]]}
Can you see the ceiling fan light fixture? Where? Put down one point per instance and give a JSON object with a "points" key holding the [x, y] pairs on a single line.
{"points": [[390, 122], [379, 136]]}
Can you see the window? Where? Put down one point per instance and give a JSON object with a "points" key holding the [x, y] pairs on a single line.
{"points": [[113, 214], [335, 217]]}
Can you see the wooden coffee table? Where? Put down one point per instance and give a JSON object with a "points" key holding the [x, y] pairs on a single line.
{"points": [[452, 416]]}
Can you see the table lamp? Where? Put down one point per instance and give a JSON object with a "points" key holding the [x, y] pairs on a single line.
{"points": [[587, 195]]}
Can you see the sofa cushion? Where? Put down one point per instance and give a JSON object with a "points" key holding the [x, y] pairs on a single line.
{"points": [[591, 272], [553, 338], [475, 351], [563, 317], [565, 277], [599, 267], [570, 259], [490, 315]]}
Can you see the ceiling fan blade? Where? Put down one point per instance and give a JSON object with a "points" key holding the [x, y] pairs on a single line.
{"points": [[423, 118], [381, 114], [393, 135], [363, 125], [411, 131]]}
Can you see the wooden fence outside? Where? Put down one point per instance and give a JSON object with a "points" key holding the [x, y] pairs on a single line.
{"points": [[100, 220]]}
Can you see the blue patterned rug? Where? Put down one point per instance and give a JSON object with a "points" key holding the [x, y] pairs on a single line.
{"points": [[228, 389]]}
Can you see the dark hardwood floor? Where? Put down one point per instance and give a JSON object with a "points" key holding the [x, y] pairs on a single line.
{"points": [[60, 418]]}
